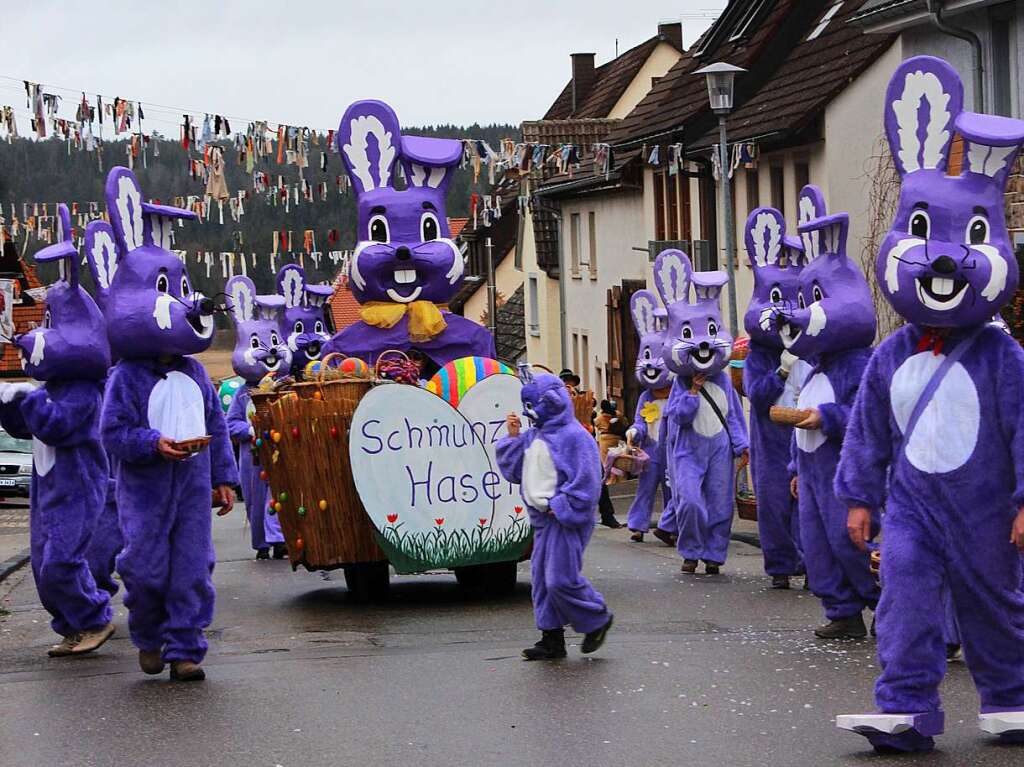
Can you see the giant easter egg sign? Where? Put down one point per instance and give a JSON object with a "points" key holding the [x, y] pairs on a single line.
{"points": [[427, 477]]}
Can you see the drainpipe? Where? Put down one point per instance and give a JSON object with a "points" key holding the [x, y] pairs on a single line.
{"points": [[564, 351], [935, 10]]}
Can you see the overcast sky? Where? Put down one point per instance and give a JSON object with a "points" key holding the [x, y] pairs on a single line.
{"points": [[301, 63]]}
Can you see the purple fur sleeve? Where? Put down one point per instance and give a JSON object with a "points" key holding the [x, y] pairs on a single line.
{"points": [[682, 404], [761, 382], [12, 420], [123, 423], [238, 425], [792, 466], [862, 474], [579, 474], [61, 421], [1011, 414], [737, 423], [845, 377], [638, 421], [509, 452], [223, 470]]}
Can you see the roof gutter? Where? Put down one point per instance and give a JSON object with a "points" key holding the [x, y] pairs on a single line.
{"points": [[935, 11]]}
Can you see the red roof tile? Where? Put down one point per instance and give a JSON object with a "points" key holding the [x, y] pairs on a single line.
{"points": [[344, 306], [456, 225]]}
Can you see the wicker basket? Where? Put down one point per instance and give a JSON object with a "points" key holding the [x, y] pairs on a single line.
{"points": [[787, 416], [583, 404], [746, 501], [618, 467], [737, 360], [344, 391]]}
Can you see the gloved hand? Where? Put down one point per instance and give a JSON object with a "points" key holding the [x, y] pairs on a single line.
{"points": [[787, 361], [631, 435], [13, 391]]}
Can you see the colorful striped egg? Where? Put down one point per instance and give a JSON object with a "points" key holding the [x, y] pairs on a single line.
{"points": [[455, 378]]}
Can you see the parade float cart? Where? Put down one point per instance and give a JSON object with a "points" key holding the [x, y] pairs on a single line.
{"points": [[366, 472]]}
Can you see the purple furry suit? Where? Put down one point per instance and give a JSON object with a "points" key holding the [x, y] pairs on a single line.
{"points": [[168, 558], [67, 497], [264, 529], [106, 540], [557, 466]]}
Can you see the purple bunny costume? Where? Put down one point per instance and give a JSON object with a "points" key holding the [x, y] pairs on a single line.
{"points": [[303, 323], [832, 327], [776, 260], [154, 319], [557, 466], [648, 430], [702, 443], [405, 268], [937, 431], [69, 468], [259, 350]]}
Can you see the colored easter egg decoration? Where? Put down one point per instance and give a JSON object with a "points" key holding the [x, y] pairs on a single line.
{"points": [[313, 368], [295, 432], [334, 432], [299, 543], [458, 376], [283, 496], [259, 443], [266, 435], [317, 395], [277, 507], [302, 511], [322, 505], [276, 436]]}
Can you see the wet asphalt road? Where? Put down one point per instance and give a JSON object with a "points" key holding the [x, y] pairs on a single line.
{"points": [[698, 670]]}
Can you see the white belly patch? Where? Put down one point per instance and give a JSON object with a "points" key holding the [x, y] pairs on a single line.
{"points": [[947, 431], [706, 423], [794, 384], [540, 478], [176, 407], [816, 391], [43, 457]]}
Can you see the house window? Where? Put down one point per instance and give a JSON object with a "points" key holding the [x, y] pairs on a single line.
{"points": [[574, 243], [1002, 83], [659, 205], [744, 23], [592, 255], [801, 174], [778, 180], [533, 305], [598, 383], [673, 207], [575, 351], [753, 190], [584, 367], [686, 228], [825, 19]]}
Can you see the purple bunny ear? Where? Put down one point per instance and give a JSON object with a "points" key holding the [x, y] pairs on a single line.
{"points": [[64, 251], [991, 144], [525, 371], [672, 270], [924, 97], [242, 294], [829, 235], [764, 235], [810, 206], [793, 251], [101, 256], [124, 205], [317, 295], [644, 306], [158, 223], [368, 141], [291, 283], [707, 286], [430, 162], [270, 307]]}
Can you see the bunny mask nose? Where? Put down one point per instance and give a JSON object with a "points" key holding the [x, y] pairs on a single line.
{"points": [[944, 265], [402, 253]]}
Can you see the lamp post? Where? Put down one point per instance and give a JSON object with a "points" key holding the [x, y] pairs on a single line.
{"points": [[720, 77]]}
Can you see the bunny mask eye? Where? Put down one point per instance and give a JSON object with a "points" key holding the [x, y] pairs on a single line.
{"points": [[920, 224], [817, 293], [299, 327], [647, 355], [274, 338], [712, 328], [162, 284], [775, 296], [47, 320], [254, 341], [429, 227], [186, 289], [378, 228], [977, 230], [687, 333], [800, 302], [318, 328]]}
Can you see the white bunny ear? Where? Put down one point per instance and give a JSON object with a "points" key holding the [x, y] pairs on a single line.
{"points": [[924, 97], [764, 232], [101, 255], [242, 292], [291, 283], [124, 204], [707, 286], [672, 270], [991, 144], [810, 206], [368, 141], [643, 306]]}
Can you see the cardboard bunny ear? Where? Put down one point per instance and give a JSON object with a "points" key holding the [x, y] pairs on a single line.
{"points": [[368, 141], [672, 270], [317, 295], [810, 205], [829, 235], [158, 223], [707, 286], [644, 306], [924, 97], [430, 162], [525, 371], [124, 205], [102, 257], [291, 283], [270, 307], [763, 235], [991, 144], [63, 251], [241, 293], [793, 251]]}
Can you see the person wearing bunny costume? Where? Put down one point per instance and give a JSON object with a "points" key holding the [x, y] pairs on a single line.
{"points": [[704, 411], [303, 321], [648, 430], [405, 266], [937, 430], [557, 467], [156, 398], [69, 353], [831, 326], [769, 379], [259, 350]]}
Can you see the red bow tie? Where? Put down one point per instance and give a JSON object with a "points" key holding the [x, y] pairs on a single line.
{"points": [[932, 339]]}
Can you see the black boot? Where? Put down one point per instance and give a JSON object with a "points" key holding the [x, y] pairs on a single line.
{"points": [[263, 553], [665, 537], [592, 642], [607, 510], [780, 581], [843, 628], [712, 568], [280, 551], [550, 647]]}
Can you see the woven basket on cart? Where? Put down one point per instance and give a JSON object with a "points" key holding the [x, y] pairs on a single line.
{"points": [[746, 501]]}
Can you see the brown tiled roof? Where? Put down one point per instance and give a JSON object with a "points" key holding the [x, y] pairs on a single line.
{"points": [[610, 82], [456, 225], [25, 318], [814, 72], [344, 306], [680, 96]]}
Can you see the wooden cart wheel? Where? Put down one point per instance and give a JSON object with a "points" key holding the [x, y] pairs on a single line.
{"points": [[368, 581]]}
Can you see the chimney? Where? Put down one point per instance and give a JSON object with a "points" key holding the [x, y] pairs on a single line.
{"points": [[672, 33], [582, 77]]}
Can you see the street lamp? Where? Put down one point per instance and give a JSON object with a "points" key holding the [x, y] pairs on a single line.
{"points": [[720, 77]]}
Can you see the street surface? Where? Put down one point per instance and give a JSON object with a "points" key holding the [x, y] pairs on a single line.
{"points": [[698, 670]]}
